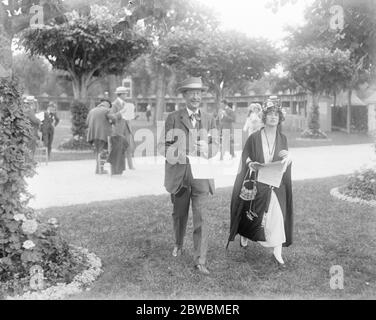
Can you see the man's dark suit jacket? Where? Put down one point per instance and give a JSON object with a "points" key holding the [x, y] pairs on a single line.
{"points": [[177, 141]]}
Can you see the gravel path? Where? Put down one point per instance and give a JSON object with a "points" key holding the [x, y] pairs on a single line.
{"points": [[74, 182]]}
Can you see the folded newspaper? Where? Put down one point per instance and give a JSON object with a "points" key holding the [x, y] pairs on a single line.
{"points": [[271, 173]]}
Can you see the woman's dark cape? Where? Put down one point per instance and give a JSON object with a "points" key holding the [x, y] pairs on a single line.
{"points": [[253, 150]]}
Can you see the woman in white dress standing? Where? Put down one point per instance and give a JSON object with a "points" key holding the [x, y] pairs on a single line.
{"points": [[267, 216], [253, 121]]}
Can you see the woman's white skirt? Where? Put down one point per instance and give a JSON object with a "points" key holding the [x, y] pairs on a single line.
{"points": [[273, 224]]}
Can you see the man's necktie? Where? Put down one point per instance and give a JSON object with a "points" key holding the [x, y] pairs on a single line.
{"points": [[195, 116]]}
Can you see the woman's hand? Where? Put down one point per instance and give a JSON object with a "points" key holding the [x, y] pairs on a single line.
{"points": [[255, 165], [286, 157]]}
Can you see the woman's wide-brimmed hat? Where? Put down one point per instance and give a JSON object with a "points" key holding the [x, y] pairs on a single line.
{"points": [[272, 103], [193, 83]]}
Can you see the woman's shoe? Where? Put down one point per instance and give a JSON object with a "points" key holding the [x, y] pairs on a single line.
{"points": [[280, 265], [243, 242]]}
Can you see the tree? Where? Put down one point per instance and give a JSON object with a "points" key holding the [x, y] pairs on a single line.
{"points": [[222, 59], [86, 47], [160, 19], [318, 70], [346, 25], [31, 73]]}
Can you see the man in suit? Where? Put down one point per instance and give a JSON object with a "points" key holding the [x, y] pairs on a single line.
{"points": [[49, 123], [99, 129], [124, 112], [189, 131]]}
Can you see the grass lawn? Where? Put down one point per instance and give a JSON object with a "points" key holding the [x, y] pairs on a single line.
{"points": [[134, 240]]}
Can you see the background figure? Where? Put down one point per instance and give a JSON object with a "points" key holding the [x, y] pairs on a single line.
{"points": [[49, 123], [253, 121], [226, 127], [99, 129], [123, 112], [30, 110], [148, 112]]}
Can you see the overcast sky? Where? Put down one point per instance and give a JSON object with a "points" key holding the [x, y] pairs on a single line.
{"points": [[251, 16]]}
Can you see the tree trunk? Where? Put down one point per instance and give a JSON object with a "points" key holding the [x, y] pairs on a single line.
{"points": [[218, 96], [348, 118], [112, 85], [314, 115], [313, 131], [160, 94], [80, 88]]}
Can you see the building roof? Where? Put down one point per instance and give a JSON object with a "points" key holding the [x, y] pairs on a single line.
{"points": [[371, 99], [355, 100]]}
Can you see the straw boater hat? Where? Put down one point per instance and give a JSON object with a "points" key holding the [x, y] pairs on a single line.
{"points": [[192, 84], [120, 90], [29, 99]]}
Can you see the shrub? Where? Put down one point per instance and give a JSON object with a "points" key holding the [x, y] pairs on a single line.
{"points": [[25, 241], [362, 184], [79, 114]]}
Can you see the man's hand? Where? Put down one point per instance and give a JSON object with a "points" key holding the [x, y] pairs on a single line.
{"points": [[203, 147]]}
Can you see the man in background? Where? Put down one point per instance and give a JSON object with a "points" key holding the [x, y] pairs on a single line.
{"points": [[123, 112], [49, 123], [99, 130]]}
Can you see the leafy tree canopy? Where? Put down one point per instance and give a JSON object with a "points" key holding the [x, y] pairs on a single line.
{"points": [[220, 58], [320, 70], [86, 45], [344, 24]]}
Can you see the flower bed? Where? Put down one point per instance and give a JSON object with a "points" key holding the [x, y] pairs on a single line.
{"points": [[314, 134], [80, 282], [362, 184], [76, 144], [336, 193], [360, 187]]}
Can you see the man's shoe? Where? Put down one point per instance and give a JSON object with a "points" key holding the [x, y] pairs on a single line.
{"points": [[202, 269], [176, 251]]}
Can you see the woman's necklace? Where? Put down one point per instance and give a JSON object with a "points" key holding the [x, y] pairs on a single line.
{"points": [[270, 152]]}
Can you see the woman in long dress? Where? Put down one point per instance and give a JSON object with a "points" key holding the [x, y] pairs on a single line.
{"points": [[268, 218]]}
